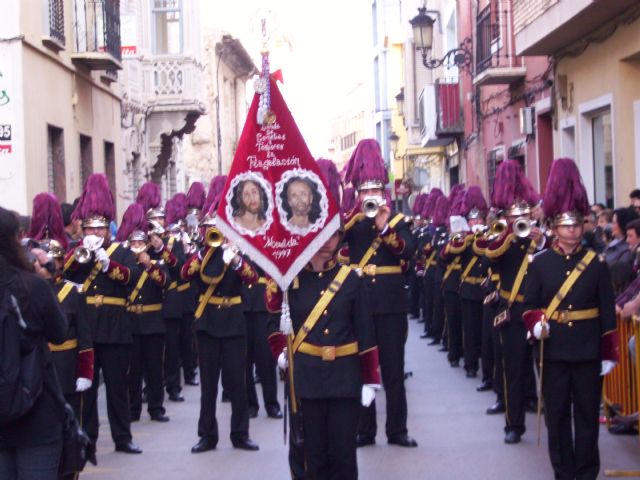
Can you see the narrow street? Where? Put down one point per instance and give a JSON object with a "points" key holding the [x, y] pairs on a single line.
{"points": [[446, 416]]}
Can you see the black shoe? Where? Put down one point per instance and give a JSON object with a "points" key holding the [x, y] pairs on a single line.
{"points": [[512, 437], [135, 417], [253, 412], [532, 406], [274, 413], [365, 440], [443, 349], [471, 374], [225, 397], [246, 444], [128, 447], [498, 407], [485, 386], [203, 445], [454, 363], [159, 417], [176, 397], [435, 341], [424, 335], [193, 382], [623, 429], [403, 441]]}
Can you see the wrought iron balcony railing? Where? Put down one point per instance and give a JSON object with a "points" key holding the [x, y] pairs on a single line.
{"points": [[97, 34], [55, 14]]}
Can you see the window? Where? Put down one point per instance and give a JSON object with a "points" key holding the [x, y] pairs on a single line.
{"points": [[348, 141], [167, 26], [110, 165], [376, 83], [602, 158], [374, 26], [493, 161], [54, 20], [57, 182], [86, 158], [568, 142]]}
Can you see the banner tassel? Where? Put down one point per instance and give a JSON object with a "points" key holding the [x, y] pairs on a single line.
{"points": [[285, 315]]}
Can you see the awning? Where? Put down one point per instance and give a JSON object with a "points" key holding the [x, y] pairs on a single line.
{"points": [[439, 142]]}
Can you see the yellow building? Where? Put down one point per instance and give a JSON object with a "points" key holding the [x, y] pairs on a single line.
{"points": [[596, 50], [59, 115]]}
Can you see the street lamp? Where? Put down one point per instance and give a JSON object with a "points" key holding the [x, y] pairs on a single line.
{"points": [[393, 143], [400, 101], [422, 25]]}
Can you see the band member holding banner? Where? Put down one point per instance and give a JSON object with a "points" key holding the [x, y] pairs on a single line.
{"points": [[334, 360], [378, 244], [570, 310], [106, 270], [219, 272]]}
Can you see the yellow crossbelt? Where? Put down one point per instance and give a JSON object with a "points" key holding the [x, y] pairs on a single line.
{"points": [[99, 300], [329, 353], [473, 280], [373, 270], [223, 301], [172, 285], [184, 286], [139, 308], [455, 265], [565, 316], [507, 296], [61, 347]]}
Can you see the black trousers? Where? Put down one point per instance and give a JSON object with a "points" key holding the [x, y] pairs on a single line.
{"points": [[146, 361], [498, 361], [113, 361], [518, 374], [453, 314], [572, 393], [391, 334], [487, 348], [427, 309], [178, 352], [297, 464], [438, 319], [415, 294], [330, 429], [472, 332], [227, 356], [259, 353]]}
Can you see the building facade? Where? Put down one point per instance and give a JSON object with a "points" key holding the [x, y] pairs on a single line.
{"points": [[595, 48], [59, 111]]}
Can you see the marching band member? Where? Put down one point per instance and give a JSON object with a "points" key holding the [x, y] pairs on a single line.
{"points": [[106, 270], [378, 245], [569, 308]]}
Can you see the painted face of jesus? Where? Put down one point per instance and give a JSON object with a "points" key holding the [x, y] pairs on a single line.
{"points": [[299, 197], [251, 197]]}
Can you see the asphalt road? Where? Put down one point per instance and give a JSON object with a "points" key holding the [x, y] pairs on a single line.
{"points": [[456, 438]]}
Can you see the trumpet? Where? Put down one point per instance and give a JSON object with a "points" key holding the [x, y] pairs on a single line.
{"points": [[82, 255], [458, 237], [156, 228], [522, 227], [496, 229], [213, 237], [371, 205]]}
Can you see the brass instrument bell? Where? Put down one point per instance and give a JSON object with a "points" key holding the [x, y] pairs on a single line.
{"points": [[213, 237]]}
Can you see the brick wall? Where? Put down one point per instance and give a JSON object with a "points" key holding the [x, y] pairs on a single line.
{"points": [[526, 11]]}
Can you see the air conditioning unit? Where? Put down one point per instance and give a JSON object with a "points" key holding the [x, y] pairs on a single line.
{"points": [[527, 118]]}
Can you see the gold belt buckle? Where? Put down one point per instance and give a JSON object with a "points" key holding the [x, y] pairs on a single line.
{"points": [[328, 353], [139, 309], [98, 300], [563, 316], [226, 302], [369, 270]]}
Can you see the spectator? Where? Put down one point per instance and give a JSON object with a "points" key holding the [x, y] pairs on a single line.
{"points": [[596, 208], [592, 237], [617, 251], [72, 227], [633, 240], [30, 447], [605, 217], [634, 199]]}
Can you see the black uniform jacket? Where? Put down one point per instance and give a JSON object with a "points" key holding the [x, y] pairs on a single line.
{"points": [[226, 319], [471, 278], [173, 258], [346, 319], [149, 296], [109, 324], [77, 341], [253, 294], [578, 340], [387, 290]]}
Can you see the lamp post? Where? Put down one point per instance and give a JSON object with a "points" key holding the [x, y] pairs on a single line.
{"points": [[422, 26], [400, 102]]}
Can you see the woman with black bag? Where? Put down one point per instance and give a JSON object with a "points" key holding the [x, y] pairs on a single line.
{"points": [[30, 446]]}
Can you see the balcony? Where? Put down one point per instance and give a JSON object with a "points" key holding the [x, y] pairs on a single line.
{"points": [[449, 120], [547, 31], [97, 34], [495, 62], [54, 25]]}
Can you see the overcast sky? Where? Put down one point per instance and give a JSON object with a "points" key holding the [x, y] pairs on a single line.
{"points": [[323, 48]]}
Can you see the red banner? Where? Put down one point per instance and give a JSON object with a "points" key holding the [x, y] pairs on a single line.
{"points": [[275, 206]]}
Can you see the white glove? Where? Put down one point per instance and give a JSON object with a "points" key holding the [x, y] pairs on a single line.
{"points": [[103, 258], [83, 384], [228, 254], [368, 394], [607, 366], [283, 361], [537, 330]]}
